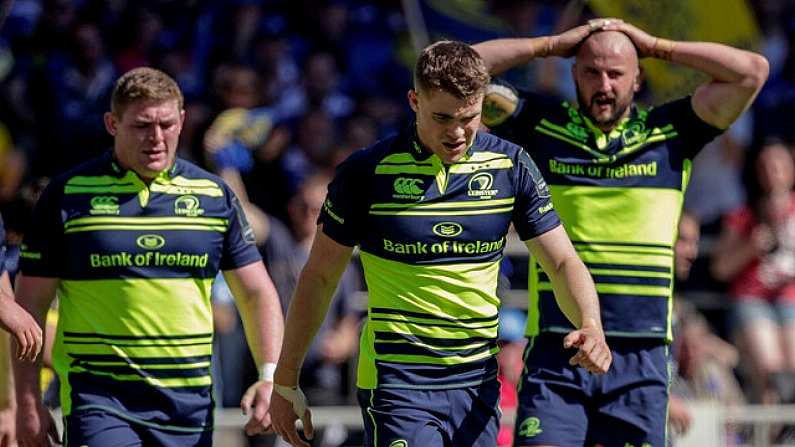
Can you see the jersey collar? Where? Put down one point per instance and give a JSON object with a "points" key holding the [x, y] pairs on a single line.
{"points": [[603, 140], [165, 175], [421, 152]]}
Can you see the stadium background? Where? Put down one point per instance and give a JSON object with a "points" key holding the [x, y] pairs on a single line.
{"points": [[278, 92]]}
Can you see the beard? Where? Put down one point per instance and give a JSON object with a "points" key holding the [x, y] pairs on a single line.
{"points": [[619, 109]]}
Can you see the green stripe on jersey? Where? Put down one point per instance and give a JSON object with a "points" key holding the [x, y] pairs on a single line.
{"points": [[593, 204], [442, 205], [446, 303], [114, 318], [112, 223]]}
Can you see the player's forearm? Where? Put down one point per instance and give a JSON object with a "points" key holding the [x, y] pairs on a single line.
{"points": [[27, 381], [263, 323], [7, 399], [575, 293], [501, 55], [34, 294], [721, 62], [305, 315]]}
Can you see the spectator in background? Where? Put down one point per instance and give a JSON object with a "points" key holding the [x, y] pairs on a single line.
{"points": [[138, 32], [245, 143], [324, 378], [359, 132], [78, 88], [686, 245], [755, 254], [685, 253], [716, 187], [13, 165], [313, 149], [322, 88], [285, 251], [703, 361]]}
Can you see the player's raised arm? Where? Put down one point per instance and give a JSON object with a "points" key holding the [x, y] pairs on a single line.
{"points": [[736, 75], [576, 296], [308, 308], [501, 55]]}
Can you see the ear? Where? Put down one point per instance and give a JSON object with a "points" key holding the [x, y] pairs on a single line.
{"points": [[412, 96], [110, 123], [640, 75]]}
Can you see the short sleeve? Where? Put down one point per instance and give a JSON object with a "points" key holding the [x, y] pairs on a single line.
{"points": [[692, 131], [342, 216], [240, 246], [42, 251], [533, 213]]}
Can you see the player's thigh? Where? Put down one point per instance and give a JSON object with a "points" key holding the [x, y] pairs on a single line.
{"points": [[474, 415], [99, 428], [172, 438], [391, 419], [552, 398], [633, 406]]}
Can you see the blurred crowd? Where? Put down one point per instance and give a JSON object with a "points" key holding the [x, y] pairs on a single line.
{"points": [[279, 92]]}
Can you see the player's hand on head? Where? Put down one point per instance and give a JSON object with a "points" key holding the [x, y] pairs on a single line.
{"points": [[565, 44], [643, 41], [256, 402], [19, 323], [604, 24], [593, 353], [288, 403]]}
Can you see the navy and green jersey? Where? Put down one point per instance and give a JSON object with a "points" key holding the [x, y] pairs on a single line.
{"points": [[431, 237], [136, 264], [619, 196]]}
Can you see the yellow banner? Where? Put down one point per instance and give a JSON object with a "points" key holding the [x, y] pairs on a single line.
{"points": [[727, 21]]}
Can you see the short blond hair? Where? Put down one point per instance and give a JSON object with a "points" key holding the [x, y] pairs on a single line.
{"points": [[143, 84], [453, 67]]}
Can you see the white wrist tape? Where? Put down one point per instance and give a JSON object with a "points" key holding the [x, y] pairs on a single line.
{"points": [[293, 395], [266, 372]]}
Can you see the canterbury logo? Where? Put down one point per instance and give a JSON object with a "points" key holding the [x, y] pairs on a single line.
{"points": [[104, 205], [408, 186], [399, 443], [104, 202]]}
